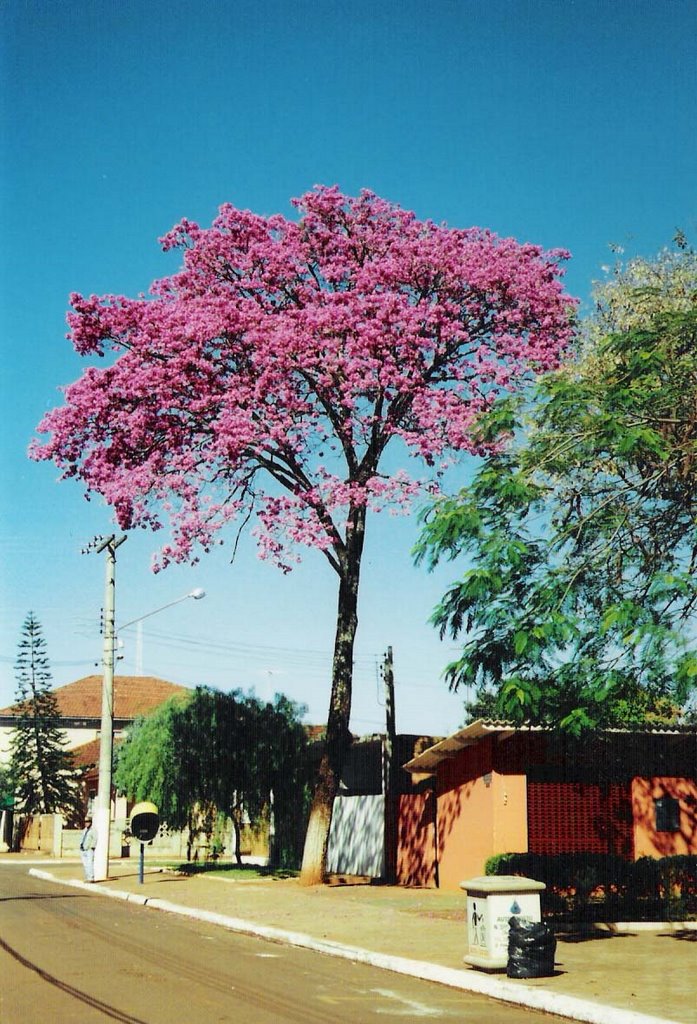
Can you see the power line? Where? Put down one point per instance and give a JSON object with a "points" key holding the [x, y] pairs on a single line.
{"points": [[180, 640], [54, 664]]}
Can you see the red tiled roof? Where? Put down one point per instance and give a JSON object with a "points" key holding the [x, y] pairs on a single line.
{"points": [[133, 696], [86, 755]]}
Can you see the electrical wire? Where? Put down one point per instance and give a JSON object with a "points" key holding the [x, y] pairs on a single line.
{"points": [[180, 640]]}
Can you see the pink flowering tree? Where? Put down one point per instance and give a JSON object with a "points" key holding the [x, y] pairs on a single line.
{"points": [[268, 376]]}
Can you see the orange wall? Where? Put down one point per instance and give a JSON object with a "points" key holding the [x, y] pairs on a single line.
{"points": [[416, 851], [647, 841], [465, 831], [510, 797], [481, 812]]}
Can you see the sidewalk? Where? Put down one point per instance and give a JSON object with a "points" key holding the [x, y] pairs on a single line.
{"points": [[629, 976]]}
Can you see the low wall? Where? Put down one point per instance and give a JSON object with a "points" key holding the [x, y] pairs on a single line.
{"points": [[172, 845], [46, 834], [42, 833]]}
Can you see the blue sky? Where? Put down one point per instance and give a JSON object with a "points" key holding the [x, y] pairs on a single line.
{"points": [[564, 123]]}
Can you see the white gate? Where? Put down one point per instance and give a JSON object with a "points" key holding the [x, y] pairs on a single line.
{"points": [[357, 836]]}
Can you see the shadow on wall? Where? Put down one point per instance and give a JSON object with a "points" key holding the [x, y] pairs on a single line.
{"points": [[357, 836], [416, 854], [677, 832], [580, 817], [616, 825], [425, 826], [450, 811]]}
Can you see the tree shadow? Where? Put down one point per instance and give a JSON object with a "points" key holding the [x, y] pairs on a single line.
{"points": [[416, 855], [646, 792], [43, 896], [588, 933], [158, 879], [106, 1009], [682, 934]]}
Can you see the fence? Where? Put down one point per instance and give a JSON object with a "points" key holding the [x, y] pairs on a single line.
{"points": [[357, 836]]}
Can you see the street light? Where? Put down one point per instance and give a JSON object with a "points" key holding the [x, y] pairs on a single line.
{"points": [[196, 594], [102, 812]]}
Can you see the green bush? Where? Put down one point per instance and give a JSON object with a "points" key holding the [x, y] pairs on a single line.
{"points": [[567, 871], [669, 876], [582, 883]]}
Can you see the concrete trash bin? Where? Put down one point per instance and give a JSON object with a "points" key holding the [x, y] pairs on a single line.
{"points": [[491, 902]]}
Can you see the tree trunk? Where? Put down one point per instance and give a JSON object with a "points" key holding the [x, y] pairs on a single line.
{"points": [[338, 737], [189, 837], [237, 832]]}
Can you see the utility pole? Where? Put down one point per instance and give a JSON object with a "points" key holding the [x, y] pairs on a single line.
{"points": [[102, 811], [389, 773]]}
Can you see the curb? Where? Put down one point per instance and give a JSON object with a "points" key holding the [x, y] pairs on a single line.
{"points": [[482, 984]]}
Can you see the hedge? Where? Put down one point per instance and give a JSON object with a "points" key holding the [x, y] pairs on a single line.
{"points": [[652, 886]]}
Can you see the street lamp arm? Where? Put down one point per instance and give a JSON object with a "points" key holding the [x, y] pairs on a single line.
{"points": [[196, 594]]}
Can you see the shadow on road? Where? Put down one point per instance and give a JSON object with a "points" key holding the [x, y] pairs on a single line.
{"points": [[685, 934], [42, 896], [589, 933], [83, 997]]}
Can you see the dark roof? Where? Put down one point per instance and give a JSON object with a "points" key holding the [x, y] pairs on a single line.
{"points": [[427, 761]]}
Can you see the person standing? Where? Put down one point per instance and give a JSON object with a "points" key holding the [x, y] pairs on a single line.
{"points": [[88, 842]]}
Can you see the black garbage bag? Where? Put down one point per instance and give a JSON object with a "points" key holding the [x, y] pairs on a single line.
{"points": [[531, 949]]}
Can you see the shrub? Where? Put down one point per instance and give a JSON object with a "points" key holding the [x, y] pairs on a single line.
{"points": [[666, 886]]}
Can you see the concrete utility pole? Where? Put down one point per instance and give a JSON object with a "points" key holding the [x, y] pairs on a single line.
{"points": [[389, 773], [102, 811]]}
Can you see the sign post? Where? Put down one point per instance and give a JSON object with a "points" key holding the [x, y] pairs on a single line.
{"points": [[145, 821]]}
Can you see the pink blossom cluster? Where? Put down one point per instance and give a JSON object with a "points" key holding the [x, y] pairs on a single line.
{"points": [[284, 347]]}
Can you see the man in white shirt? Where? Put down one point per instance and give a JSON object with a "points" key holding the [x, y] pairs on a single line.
{"points": [[88, 842]]}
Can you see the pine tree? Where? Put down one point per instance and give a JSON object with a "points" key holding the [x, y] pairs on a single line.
{"points": [[42, 769]]}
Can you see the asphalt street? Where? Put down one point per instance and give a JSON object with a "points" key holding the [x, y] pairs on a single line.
{"points": [[71, 959]]}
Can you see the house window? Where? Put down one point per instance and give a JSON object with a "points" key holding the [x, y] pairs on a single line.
{"points": [[667, 814]]}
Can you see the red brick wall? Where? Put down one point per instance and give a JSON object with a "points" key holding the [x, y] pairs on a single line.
{"points": [[580, 817]]}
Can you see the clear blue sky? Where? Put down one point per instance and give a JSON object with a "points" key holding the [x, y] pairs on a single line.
{"points": [[565, 123]]}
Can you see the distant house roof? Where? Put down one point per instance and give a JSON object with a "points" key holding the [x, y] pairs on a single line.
{"points": [[133, 696], [427, 762], [87, 754]]}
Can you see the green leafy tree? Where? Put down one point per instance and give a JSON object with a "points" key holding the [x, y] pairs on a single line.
{"points": [[41, 768], [580, 538], [218, 738], [219, 755], [288, 774], [148, 766], [7, 788]]}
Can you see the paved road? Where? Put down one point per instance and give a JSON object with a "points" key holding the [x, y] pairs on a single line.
{"points": [[71, 958]]}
